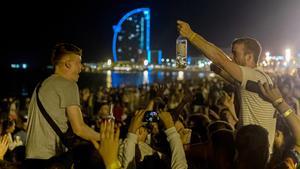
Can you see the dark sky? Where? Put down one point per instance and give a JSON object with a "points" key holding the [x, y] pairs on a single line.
{"points": [[29, 29]]}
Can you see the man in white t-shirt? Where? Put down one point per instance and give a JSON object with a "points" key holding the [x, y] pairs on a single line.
{"points": [[242, 67]]}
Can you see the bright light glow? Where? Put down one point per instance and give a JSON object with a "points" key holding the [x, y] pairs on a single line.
{"points": [[24, 66], [268, 58], [180, 75], [287, 54], [108, 79], [145, 77], [162, 59], [168, 60], [212, 75], [146, 62], [200, 64], [201, 75], [109, 62], [15, 66]]}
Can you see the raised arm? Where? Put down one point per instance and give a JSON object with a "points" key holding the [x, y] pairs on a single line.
{"points": [[178, 160], [212, 52], [221, 72], [273, 95]]}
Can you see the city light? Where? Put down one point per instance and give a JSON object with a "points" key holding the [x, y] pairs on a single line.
{"points": [[180, 75], [145, 77], [288, 54], [108, 79], [24, 66], [109, 62], [146, 62], [268, 57]]}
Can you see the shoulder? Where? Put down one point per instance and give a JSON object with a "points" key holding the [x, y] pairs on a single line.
{"points": [[59, 81]]}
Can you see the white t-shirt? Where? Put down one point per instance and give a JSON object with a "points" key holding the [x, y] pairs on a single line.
{"points": [[254, 110]]}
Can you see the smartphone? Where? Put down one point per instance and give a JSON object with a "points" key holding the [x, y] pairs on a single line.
{"points": [[151, 116], [252, 86]]}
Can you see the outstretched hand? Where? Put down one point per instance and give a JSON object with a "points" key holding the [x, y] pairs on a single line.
{"points": [[184, 29]]}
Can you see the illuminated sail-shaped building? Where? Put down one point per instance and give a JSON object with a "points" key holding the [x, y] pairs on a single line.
{"points": [[131, 40]]}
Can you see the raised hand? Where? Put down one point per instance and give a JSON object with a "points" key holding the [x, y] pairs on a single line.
{"points": [[3, 146], [184, 29], [108, 149], [136, 121], [166, 118]]}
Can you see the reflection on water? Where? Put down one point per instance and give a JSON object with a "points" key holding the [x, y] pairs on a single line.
{"points": [[145, 77], [180, 75], [117, 79], [108, 79], [23, 83]]}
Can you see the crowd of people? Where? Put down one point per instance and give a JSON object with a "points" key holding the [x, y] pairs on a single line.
{"points": [[245, 118]]}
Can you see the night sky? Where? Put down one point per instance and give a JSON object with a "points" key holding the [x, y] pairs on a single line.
{"points": [[29, 29]]}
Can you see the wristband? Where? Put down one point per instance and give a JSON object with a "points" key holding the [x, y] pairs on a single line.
{"points": [[193, 36], [287, 113], [277, 102]]}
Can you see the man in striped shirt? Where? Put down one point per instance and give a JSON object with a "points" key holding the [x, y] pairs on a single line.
{"points": [[242, 67]]}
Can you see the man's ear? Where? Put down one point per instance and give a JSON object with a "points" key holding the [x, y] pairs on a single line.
{"points": [[250, 57], [68, 65]]}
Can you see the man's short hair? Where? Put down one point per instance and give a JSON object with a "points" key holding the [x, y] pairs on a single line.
{"points": [[61, 49], [251, 46]]}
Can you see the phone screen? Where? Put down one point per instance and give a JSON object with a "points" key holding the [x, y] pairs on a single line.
{"points": [[151, 116]]}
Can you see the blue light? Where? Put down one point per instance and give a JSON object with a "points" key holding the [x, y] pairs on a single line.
{"points": [[15, 66], [148, 33], [149, 56], [189, 59], [24, 66], [159, 56], [117, 28], [142, 34]]}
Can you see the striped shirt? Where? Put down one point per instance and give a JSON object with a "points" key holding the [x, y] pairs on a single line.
{"points": [[254, 110]]}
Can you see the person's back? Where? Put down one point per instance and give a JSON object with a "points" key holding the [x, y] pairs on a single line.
{"points": [[59, 95], [255, 110], [56, 93]]}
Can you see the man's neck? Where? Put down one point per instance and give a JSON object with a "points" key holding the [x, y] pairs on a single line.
{"points": [[62, 74]]}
